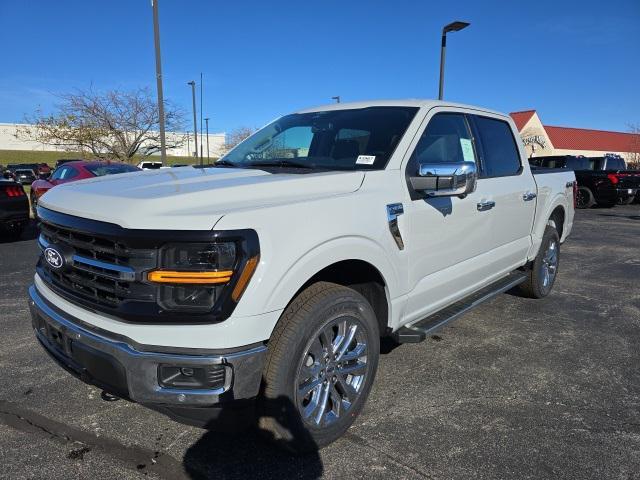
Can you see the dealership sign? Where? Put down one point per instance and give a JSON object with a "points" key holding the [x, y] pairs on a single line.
{"points": [[535, 139]]}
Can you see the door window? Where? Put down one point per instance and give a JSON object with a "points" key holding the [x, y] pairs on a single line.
{"points": [[500, 153], [445, 140]]}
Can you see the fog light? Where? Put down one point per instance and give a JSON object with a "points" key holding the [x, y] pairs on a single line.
{"points": [[207, 377]]}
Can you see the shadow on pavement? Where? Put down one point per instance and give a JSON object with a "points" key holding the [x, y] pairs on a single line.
{"points": [[254, 453], [630, 217]]}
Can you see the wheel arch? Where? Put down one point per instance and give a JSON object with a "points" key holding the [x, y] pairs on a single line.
{"points": [[358, 263]]}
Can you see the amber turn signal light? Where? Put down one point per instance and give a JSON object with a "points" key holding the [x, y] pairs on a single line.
{"points": [[245, 276], [192, 278]]}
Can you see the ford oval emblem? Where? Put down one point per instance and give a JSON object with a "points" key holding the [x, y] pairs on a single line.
{"points": [[53, 257]]}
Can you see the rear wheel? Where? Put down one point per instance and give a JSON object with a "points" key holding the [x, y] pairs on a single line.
{"points": [[626, 200], [584, 198], [542, 272], [323, 357]]}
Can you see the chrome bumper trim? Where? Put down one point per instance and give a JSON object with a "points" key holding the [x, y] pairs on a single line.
{"points": [[243, 368]]}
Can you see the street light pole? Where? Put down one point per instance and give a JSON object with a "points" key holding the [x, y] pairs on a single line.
{"points": [[201, 154], [207, 122], [156, 41], [195, 122], [452, 27], [336, 98]]}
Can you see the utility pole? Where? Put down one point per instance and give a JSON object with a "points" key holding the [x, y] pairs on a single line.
{"points": [[452, 27], [195, 122], [201, 154], [207, 122], [156, 41]]}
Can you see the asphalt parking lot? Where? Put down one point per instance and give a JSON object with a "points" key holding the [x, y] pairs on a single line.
{"points": [[515, 389]]}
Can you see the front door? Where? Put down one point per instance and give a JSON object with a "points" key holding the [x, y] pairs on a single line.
{"points": [[447, 236]]}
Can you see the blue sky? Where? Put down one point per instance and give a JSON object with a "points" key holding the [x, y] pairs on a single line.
{"points": [[577, 63]]}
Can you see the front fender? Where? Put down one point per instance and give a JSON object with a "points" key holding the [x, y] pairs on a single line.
{"points": [[269, 292]]}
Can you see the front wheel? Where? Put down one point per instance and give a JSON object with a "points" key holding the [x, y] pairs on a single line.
{"points": [[323, 357], [541, 275]]}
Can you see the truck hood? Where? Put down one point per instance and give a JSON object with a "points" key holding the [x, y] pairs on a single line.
{"points": [[187, 198]]}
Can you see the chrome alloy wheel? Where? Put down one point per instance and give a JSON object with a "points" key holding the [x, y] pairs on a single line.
{"points": [[549, 265], [332, 371]]}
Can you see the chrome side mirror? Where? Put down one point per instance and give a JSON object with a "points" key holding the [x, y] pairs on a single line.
{"points": [[445, 179]]}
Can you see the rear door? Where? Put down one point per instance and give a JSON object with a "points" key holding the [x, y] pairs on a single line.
{"points": [[511, 190]]}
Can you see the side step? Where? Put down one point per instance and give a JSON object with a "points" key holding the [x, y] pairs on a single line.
{"points": [[420, 330]]}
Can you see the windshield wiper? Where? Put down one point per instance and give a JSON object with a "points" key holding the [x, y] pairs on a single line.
{"points": [[279, 163], [225, 163]]}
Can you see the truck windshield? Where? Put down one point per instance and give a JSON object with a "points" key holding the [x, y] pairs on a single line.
{"points": [[349, 139]]}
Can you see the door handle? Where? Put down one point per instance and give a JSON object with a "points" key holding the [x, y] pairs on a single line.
{"points": [[529, 196], [483, 206]]}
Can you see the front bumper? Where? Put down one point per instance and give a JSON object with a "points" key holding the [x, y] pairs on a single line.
{"points": [[130, 370]]}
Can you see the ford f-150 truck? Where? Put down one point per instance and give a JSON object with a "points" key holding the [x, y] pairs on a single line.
{"points": [[264, 284]]}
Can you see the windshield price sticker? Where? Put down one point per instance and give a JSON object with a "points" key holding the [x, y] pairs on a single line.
{"points": [[467, 150], [365, 159]]}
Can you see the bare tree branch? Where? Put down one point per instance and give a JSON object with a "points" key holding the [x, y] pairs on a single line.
{"points": [[114, 124]]}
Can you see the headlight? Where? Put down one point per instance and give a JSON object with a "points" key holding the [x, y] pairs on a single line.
{"points": [[193, 276]]}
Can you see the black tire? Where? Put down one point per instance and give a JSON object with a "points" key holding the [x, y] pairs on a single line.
{"points": [[626, 200], [585, 198], [535, 286], [313, 312]]}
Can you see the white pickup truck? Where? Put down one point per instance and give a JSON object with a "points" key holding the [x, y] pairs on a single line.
{"points": [[264, 284]]}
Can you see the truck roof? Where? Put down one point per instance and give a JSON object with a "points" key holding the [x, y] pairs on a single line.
{"points": [[410, 102]]}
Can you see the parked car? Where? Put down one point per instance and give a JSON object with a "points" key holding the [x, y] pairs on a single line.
{"points": [[73, 171], [6, 174], [627, 182], [62, 161], [25, 176], [267, 281], [594, 187], [149, 165], [40, 169], [14, 209]]}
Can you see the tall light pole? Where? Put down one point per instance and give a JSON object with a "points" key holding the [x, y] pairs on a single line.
{"points": [[156, 41], [207, 122], [452, 27], [336, 98], [201, 154], [195, 122]]}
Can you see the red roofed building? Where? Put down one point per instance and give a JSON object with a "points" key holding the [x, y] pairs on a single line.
{"points": [[542, 139]]}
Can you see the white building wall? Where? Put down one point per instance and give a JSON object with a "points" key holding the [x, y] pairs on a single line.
{"points": [[9, 141]]}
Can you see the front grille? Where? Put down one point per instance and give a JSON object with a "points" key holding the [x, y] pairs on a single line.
{"points": [[87, 244], [102, 271], [104, 267]]}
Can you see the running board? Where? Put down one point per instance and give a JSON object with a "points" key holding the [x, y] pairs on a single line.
{"points": [[420, 330]]}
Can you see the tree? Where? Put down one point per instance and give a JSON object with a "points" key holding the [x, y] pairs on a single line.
{"points": [[111, 125], [236, 136], [633, 157]]}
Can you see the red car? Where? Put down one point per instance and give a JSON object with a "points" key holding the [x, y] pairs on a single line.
{"points": [[76, 170]]}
